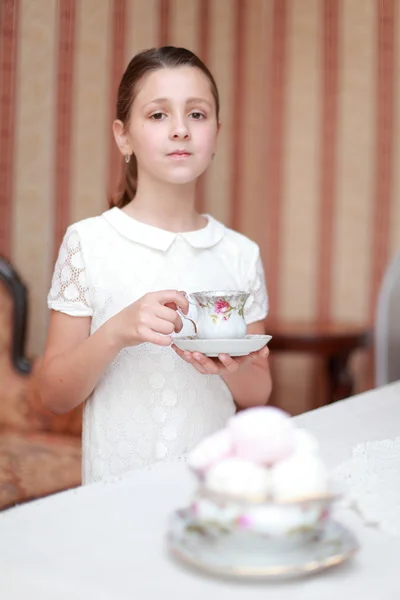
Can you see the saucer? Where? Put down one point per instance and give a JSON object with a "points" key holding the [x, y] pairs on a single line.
{"points": [[191, 543], [209, 347]]}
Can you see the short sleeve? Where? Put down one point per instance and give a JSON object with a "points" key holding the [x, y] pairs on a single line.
{"points": [[256, 307], [69, 291]]}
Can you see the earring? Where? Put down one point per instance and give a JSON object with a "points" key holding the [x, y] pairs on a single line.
{"points": [[127, 158]]}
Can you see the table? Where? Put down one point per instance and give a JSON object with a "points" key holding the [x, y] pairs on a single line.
{"points": [[335, 343], [106, 540]]}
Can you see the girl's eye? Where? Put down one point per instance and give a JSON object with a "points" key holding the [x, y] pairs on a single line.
{"points": [[197, 115], [157, 116]]}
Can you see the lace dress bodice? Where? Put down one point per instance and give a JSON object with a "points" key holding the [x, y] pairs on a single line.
{"points": [[149, 404]]}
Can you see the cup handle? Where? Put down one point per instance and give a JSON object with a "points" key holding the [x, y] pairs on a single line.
{"points": [[180, 313]]}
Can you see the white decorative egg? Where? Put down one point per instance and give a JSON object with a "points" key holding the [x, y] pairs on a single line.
{"points": [[238, 477], [212, 449], [300, 476]]}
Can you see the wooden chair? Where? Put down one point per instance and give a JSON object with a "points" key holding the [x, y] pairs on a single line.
{"points": [[387, 326], [40, 453]]}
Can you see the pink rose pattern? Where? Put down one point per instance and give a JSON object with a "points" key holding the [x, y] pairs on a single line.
{"points": [[222, 309], [222, 306]]}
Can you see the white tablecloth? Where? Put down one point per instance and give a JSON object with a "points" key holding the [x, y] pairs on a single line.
{"points": [[106, 541]]}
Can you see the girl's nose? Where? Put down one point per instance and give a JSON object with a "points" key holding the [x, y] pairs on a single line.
{"points": [[180, 130]]}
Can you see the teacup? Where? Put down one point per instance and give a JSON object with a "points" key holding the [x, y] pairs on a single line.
{"points": [[220, 314]]}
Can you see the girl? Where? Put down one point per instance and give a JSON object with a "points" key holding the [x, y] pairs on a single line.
{"points": [[114, 294]]}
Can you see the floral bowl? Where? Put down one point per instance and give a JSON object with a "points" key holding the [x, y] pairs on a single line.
{"points": [[258, 523]]}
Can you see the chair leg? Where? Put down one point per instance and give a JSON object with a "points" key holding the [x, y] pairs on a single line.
{"points": [[341, 384]]}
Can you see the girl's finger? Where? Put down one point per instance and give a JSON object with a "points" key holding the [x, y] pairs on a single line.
{"points": [[263, 353], [199, 367], [174, 297], [161, 326], [188, 357], [229, 363], [169, 315], [177, 350], [209, 365], [152, 337]]}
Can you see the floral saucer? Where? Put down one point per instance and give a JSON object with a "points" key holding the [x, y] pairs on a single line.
{"points": [[233, 347], [193, 544]]}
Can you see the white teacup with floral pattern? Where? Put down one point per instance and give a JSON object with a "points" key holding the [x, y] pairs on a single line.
{"points": [[220, 314]]}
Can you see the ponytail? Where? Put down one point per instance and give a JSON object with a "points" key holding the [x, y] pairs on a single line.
{"points": [[127, 184]]}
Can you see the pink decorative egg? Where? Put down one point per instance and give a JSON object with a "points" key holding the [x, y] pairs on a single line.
{"points": [[263, 435]]}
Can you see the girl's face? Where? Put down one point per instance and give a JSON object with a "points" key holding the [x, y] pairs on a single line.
{"points": [[173, 126]]}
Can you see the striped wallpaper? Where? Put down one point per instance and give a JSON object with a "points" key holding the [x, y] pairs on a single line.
{"points": [[307, 157]]}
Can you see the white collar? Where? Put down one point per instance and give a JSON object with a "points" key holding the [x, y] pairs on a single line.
{"points": [[161, 239]]}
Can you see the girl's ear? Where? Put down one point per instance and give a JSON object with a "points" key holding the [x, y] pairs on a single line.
{"points": [[121, 138], [219, 125]]}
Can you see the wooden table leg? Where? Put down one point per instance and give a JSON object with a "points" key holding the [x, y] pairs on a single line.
{"points": [[340, 380]]}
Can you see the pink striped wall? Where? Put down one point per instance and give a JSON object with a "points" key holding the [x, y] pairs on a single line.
{"points": [[306, 156], [385, 133], [203, 45], [8, 68], [275, 148], [64, 97], [164, 10], [238, 113], [118, 41], [328, 138]]}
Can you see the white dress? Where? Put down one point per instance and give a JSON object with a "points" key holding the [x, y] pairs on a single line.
{"points": [[149, 405]]}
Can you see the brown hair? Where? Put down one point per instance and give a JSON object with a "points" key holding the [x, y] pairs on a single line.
{"points": [[142, 64]]}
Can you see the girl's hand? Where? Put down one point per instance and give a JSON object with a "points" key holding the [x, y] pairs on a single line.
{"points": [[218, 366], [152, 319]]}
